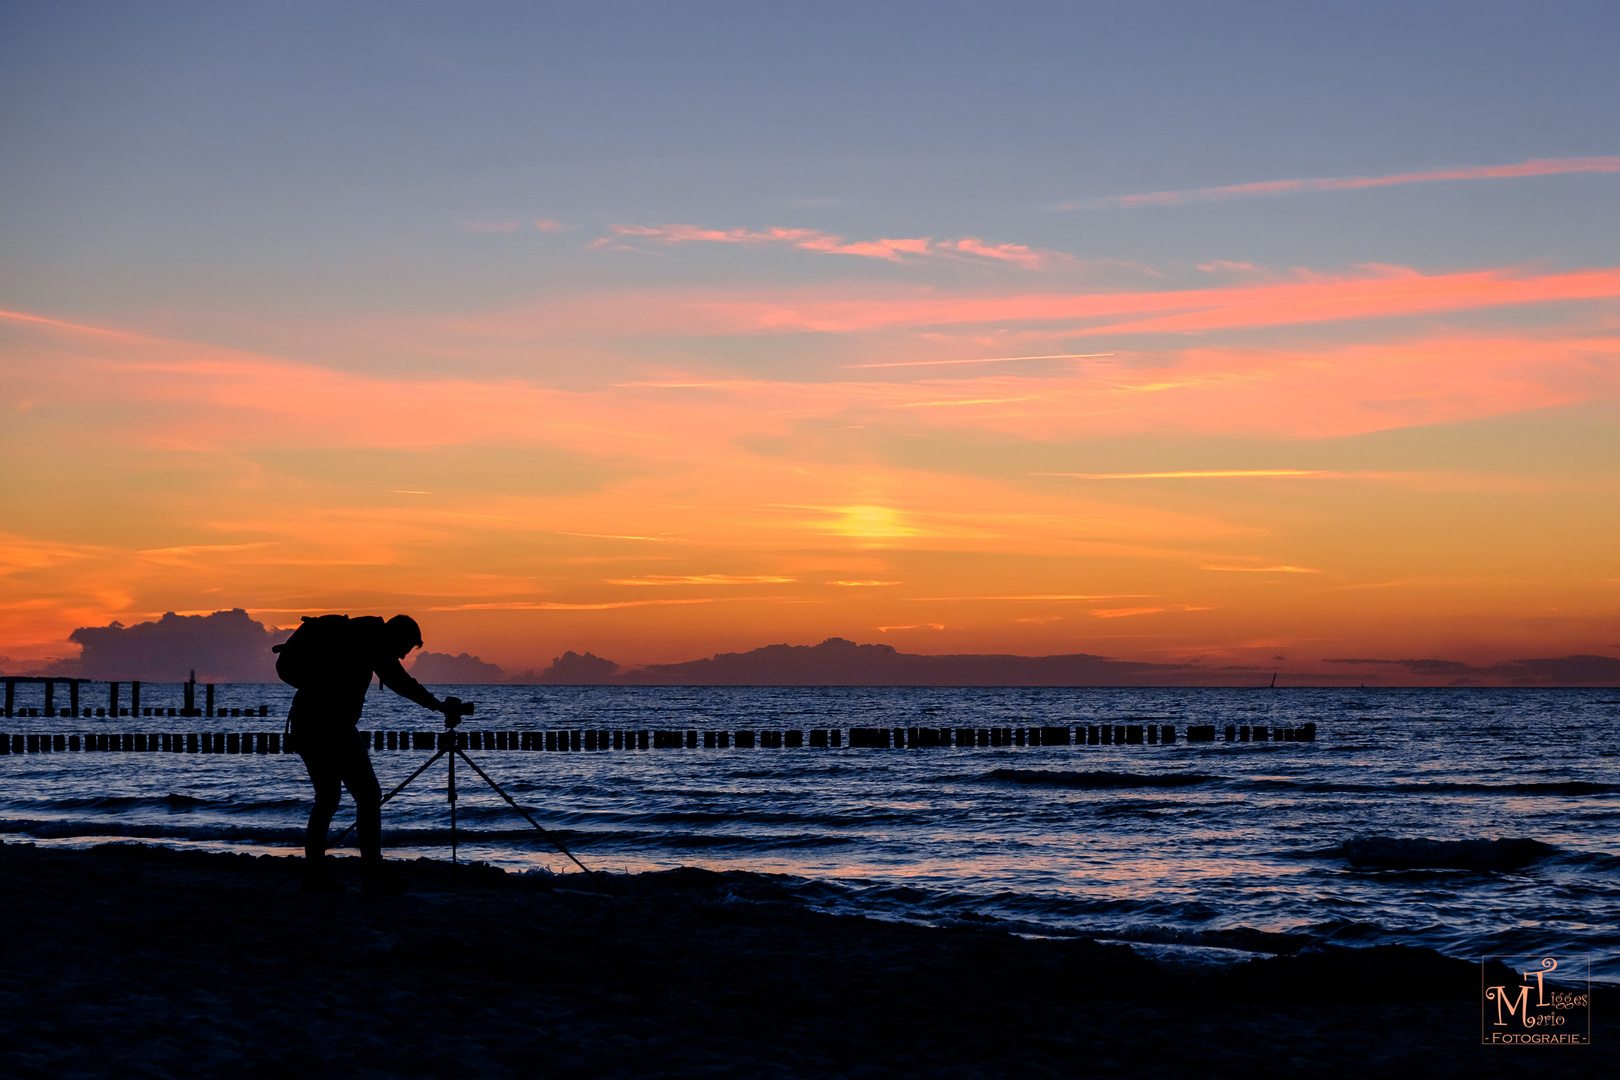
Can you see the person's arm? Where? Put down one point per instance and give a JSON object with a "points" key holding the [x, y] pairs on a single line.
{"points": [[396, 678]]}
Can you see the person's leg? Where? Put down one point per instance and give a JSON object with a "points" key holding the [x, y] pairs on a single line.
{"points": [[324, 773], [361, 780]]}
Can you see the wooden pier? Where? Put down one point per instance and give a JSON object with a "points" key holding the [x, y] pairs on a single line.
{"points": [[49, 707]]}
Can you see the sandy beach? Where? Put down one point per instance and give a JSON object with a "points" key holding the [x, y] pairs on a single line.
{"points": [[127, 960]]}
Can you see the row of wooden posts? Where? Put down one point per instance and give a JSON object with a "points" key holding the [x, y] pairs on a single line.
{"points": [[272, 742], [115, 705]]}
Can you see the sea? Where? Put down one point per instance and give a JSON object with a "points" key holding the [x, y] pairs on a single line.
{"points": [[1472, 821]]}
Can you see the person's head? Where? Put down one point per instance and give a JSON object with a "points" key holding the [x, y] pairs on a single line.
{"points": [[403, 635]]}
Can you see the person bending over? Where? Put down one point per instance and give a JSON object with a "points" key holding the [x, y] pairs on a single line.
{"points": [[330, 660]]}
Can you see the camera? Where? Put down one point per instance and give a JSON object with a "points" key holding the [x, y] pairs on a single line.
{"points": [[454, 709]]}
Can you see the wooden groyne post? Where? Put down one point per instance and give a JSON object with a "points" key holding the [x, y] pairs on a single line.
{"points": [[597, 740]]}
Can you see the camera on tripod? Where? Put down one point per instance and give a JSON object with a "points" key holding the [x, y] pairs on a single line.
{"points": [[454, 709]]}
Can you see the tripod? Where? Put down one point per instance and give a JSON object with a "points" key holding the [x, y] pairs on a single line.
{"points": [[455, 709]]}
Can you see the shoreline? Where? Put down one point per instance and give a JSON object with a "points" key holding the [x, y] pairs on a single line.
{"points": [[127, 959]]}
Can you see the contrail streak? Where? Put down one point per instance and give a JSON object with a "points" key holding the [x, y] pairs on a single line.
{"points": [[1533, 167]]}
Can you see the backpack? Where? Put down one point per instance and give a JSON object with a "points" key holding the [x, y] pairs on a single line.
{"points": [[303, 659]]}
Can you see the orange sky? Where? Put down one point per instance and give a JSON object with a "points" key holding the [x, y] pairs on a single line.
{"points": [[1372, 462]]}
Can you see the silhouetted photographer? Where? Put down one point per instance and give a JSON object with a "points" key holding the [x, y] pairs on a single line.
{"points": [[331, 660]]}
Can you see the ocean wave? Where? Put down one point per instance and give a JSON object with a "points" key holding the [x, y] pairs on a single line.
{"points": [[1104, 779], [437, 836], [116, 804], [1394, 853], [1237, 938], [1597, 860], [699, 818], [759, 843], [1139, 808], [1554, 788], [1013, 912], [1057, 778], [67, 830]]}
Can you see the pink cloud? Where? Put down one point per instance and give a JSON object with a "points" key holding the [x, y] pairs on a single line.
{"points": [[547, 225], [193, 395], [1028, 258], [1314, 392], [889, 249], [1533, 167], [1372, 293]]}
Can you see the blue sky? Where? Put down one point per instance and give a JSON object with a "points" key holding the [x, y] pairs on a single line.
{"points": [[288, 146]]}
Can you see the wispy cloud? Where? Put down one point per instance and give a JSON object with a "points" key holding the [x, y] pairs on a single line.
{"points": [[58, 324], [982, 360], [1125, 613], [1262, 569], [1052, 597], [1533, 167], [530, 605], [1362, 292], [188, 554], [957, 402], [622, 536], [1193, 474], [890, 249], [547, 225], [243, 399], [702, 579]]}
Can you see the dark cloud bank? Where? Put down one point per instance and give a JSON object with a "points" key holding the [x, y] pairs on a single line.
{"points": [[438, 667], [228, 646], [1551, 671]]}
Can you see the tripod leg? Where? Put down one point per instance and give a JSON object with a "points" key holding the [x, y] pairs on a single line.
{"points": [[391, 794], [404, 783], [455, 859], [538, 827]]}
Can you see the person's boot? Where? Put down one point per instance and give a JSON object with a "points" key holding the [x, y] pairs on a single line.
{"points": [[381, 881], [317, 879]]}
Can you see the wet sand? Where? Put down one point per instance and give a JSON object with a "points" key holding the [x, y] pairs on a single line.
{"points": [[133, 961]]}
